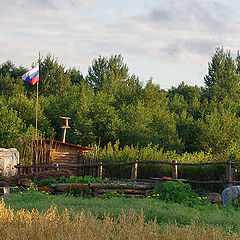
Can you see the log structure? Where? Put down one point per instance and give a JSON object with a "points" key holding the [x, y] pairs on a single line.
{"points": [[137, 190], [99, 189], [59, 153]]}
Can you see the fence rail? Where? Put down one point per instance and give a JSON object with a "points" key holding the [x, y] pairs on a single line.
{"points": [[25, 169]]}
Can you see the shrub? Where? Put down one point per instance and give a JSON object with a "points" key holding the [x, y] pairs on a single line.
{"points": [[178, 192], [114, 153], [47, 182], [72, 179]]}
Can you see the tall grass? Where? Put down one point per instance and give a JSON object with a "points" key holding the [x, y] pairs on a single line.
{"points": [[25, 224], [164, 212], [115, 153]]}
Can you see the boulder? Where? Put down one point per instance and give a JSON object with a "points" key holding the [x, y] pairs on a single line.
{"points": [[215, 198]]}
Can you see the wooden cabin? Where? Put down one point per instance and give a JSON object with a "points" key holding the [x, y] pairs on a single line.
{"points": [[49, 151]]}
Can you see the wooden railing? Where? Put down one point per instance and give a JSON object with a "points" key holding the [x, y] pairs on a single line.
{"points": [[26, 169]]}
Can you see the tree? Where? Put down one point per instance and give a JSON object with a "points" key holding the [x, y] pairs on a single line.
{"points": [[9, 67], [223, 76], [107, 74], [75, 76], [54, 79], [220, 129], [26, 110], [11, 127]]}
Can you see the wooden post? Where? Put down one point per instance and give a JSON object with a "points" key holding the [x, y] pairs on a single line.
{"points": [[18, 171], [229, 176], [174, 170], [100, 170], [134, 170], [64, 127], [6, 191]]}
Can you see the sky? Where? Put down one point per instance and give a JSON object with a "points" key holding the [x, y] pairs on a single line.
{"points": [[168, 41]]}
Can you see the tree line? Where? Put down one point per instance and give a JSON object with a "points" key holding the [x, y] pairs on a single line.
{"points": [[111, 104]]}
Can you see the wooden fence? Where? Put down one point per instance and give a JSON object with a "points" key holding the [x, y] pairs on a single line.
{"points": [[26, 169]]}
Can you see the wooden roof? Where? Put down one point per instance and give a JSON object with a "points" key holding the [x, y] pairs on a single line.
{"points": [[66, 144]]}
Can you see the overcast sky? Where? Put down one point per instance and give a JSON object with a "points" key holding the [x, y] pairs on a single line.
{"points": [[169, 40]]}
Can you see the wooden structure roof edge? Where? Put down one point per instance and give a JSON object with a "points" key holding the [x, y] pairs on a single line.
{"points": [[64, 143]]}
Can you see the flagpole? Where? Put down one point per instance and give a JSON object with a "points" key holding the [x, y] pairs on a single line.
{"points": [[36, 112], [37, 100]]}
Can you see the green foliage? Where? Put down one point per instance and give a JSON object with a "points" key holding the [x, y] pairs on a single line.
{"points": [[163, 212], [73, 179], [178, 192], [223, 76], [47, 182], [113, 195], [54, 78], [220, 130], [236, 203], [11, 126], [115, 153], [110, 104]]}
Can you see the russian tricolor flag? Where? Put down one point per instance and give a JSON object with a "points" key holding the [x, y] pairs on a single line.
{"points": [[31, 76]]}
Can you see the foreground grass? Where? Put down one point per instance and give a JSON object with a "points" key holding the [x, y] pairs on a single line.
{"points": [[164, 213], [28, 225]]}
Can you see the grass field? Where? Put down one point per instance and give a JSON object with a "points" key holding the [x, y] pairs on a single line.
{"points": [[164, 213]]}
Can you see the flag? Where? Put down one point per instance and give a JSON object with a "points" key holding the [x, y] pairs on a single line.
{"points": [[31, 76]]}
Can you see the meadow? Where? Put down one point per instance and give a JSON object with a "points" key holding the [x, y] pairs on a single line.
{"points": [[32, 213]]}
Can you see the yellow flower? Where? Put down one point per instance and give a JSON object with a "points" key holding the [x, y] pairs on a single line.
{"points": [[199, 198]]}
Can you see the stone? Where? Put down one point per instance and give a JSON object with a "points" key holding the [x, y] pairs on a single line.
{"points": [[26, 182], [215, 198]]}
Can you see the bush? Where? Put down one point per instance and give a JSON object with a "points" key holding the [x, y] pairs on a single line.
{"points": [[72, 179], [47, 182], [114, 153], [178, 192]]}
